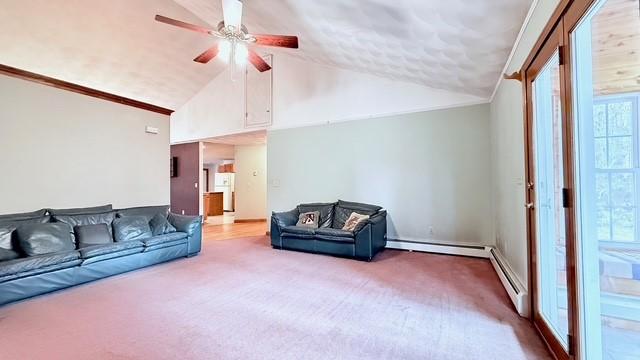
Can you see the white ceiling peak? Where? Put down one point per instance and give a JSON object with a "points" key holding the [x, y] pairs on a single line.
{"points": [[454, 45]]}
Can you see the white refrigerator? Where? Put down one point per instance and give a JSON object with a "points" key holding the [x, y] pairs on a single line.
{"points": [[224, 182]]}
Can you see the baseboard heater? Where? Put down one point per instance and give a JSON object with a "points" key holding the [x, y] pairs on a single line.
{"points": [[516, 291]]}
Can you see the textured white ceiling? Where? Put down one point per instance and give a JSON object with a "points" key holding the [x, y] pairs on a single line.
{"points": [[455, 45], [114, 46], [117, 47]]}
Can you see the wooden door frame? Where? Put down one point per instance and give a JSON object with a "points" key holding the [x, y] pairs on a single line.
{"points": [[555, 35]]}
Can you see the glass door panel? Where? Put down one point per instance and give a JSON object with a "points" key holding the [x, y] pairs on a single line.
{"points": [[552, 298], [606, 91]]}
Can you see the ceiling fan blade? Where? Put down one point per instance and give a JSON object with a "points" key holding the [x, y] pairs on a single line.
{"points": [[182, 24], [209, 54], [258, 61], [232, 12], [277, 40]]}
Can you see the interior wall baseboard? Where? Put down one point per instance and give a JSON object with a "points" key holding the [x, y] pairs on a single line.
{"points": [[239, 221], [439, 248], [516, 291]]}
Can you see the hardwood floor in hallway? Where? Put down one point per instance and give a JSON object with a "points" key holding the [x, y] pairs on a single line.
{"points": [[232, 231]]}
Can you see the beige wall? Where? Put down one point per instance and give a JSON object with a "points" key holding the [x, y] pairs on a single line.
{"points": [[251, 182], [507, 133], [428, 169], [61, 149]]}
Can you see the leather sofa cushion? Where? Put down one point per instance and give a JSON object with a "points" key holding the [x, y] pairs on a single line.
{"points": [[87, 219], [36, 262], [131, 228], [160, 225], [81, 211], [340, 239], [147, 211], [98, 250], [6, 254], [344, 209], [7, 230], [40, 239], [24, 216], [96, 234], [302, 230], [326, 212], [360, 206], [164, 241], [335, 232]]}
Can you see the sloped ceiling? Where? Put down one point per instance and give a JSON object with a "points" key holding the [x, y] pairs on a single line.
{"points": [[117, 47], [114, 46], [455, 45]]}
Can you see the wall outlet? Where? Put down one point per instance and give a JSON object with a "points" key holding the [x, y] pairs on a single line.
{"points": [[430, 230]]}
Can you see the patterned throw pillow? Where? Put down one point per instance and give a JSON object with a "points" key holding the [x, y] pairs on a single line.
{"points": [[309, 219], [354, 220]]}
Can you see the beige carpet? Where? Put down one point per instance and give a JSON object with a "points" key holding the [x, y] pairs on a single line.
{"points": [[240, 299]]}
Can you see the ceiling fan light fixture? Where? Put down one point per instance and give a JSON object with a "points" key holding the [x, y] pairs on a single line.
{"points": [[241, 54], [225, 50]]}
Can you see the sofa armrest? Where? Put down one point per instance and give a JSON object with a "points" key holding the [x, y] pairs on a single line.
{"points": [[371, 236], [279, 221], [192, 225], [287, 218]]}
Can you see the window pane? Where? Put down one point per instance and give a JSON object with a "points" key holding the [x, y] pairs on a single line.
{"points": [[601, 153], [621, 152], [604, 224], [619, 115], [602, 190], [600, 120], [623, 224], [622, 189]]}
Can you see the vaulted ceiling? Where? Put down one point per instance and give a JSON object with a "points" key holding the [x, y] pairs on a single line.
{"points": [[117, 47]]}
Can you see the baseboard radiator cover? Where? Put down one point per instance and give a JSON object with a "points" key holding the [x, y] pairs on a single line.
{"points": [[516, 291]]}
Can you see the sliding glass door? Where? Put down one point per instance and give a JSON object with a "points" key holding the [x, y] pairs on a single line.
{"points": [[582, 86], [546, 197], [606, 94]]}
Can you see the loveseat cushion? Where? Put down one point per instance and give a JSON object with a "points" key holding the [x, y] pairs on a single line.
{"points": [[164, 241], [160, 225], [344, 209], [87, 219], [147, 211], [335, 232], [131, 228], [81, 211], [40, 239], [302, 230], [96, 234], [8, 241], [98, 250], [326, 212], [359, 206], [37, 262]]}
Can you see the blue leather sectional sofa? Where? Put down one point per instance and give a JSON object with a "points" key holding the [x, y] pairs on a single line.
{"points": [[49, 249]]}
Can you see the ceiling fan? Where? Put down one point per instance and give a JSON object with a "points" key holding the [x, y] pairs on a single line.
{"points": [[235, 40]]}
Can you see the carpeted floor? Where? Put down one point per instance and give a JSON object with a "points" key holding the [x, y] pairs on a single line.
{"points": [[240, 299]]}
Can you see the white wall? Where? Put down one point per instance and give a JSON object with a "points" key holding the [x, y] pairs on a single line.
{"points": [[251, 182], [62, 149], [427, 169], [304, 94], [507, 133]]}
